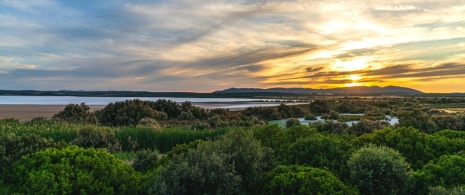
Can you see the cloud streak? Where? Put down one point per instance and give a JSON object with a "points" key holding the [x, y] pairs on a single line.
{"points": [[204, 46]]}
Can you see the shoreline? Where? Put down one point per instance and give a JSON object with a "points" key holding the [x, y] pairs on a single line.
{"points": [[25, 112]]}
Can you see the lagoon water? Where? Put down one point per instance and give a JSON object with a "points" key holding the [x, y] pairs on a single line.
{"points": [[282, 122], [65, 100]]}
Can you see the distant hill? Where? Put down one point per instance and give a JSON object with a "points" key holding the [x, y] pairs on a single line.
{"points": [[344, 90]]}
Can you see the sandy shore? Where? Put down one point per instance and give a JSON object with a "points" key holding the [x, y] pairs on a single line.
{"points": [[28, 112]]}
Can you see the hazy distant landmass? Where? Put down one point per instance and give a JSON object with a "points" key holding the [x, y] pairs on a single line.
{"points": [[345, 90]]}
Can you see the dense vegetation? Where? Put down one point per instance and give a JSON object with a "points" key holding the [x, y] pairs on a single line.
{"points": [[162, 147]]}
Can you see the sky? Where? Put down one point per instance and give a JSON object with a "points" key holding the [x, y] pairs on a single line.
{"points": [[208, 45]]}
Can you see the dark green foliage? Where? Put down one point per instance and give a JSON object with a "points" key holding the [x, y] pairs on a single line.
{"points": [[322, 151], [290, 111], [418, 147], [13, 147], [452, 122], [72, 170], [448, 172], [292, 122], [127, 113], [91, 136], [146, 160], [332, 115], [319, 107], [438, 190], [234, 164], [267, 113], [137, 138], [310, 117], [304, 180], [379, 170], [76, 113], [417, 119], [200, 126], [330, 126], [171, 108], [366, 126], [186, 116]]}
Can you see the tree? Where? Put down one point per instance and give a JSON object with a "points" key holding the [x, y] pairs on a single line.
{"points": [[296, 179], [379, 170], [76, 113]]}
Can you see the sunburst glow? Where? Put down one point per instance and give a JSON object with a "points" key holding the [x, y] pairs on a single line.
{"points": [[351, 65]]}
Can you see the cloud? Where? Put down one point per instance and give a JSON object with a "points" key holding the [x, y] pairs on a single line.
{"points": [[206, 45]]}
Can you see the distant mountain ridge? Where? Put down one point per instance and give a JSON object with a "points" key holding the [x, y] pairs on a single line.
{"points": [[343, 90]]}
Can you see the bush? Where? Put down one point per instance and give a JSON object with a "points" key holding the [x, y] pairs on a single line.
{"points": [[76, 113], [438, 190], [448, 172], [200, 126], [72, 170], [330, 126], [146, 160], [13, 147], [319, 107], [379, 170], [98, 138], [366, 126], [310, 117], [304, 180], [127, 113], [292, 122], [321, 151], [233, 164]]}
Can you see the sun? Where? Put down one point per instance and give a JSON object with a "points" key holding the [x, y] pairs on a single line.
{"points": [[353, 81], [351, 65]]}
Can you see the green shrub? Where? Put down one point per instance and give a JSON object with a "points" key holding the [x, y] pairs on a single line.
{"points": [[304, 180], [329, 152], [127, 113], [438, 190], [448, 172], [319, 107], [72, 170], [200, 126], [13, 147], [76, 113], [310, 117], [146, 160], [379, 170], [292, 122], [91, 136]]}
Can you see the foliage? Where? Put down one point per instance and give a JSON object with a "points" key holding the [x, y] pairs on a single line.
{"points": [[146, 160], [234, 164], [319, 107], [418, 147], [452, 122], [13, 147], [72, 170], [292, 122], [290, 111], [417, 119], [171, 108], [329, 152], [439, 190], [448, 172], [310, 116], [379, 170], [76, 113], [366, 126], [138, 138], [200, 126], [267, 113], [296, 179], [127, 113], [330, 126], [91, 136]]}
